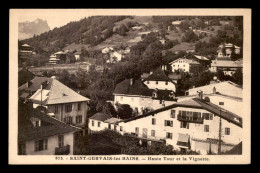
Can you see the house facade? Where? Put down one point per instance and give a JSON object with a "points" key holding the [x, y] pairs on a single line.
{"points": [[183, 64], [101, 121], [191, 124], [159, 80], [227, 66], [40, 134], [62, 103]]}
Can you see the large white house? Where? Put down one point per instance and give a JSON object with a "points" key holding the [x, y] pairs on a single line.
{"points": [[39, 134], [183, 64], [61, 102], [191, 124]]}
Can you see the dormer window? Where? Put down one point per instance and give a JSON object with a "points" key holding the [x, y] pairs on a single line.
{"points": [[63, 94], [35, 121]]}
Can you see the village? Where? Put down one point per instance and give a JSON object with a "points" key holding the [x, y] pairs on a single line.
{"points": [[134, 99]]}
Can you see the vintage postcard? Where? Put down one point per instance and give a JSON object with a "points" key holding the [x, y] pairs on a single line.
{"points": [[130, 86]]}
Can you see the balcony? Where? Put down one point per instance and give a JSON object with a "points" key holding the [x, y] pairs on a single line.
{"points": [[190, 119], [65, 150]]}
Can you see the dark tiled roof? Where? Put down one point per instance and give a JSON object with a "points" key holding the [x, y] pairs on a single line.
{"points": [[198, 104], [36, 83], [137, 88], [100, 116], [24, 76], [49, 126], [158, 75]]}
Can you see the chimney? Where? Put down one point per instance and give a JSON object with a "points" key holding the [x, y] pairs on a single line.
{"points": [[28, 84], [214, 90], [200, 95], [131, 81]]}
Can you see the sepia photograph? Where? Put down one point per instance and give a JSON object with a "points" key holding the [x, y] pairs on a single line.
{"points": [[130, 86]]}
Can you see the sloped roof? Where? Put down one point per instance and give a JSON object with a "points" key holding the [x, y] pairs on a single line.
{"points": [[100, 116], [40, 96], [36, 83], [158, 75], [201, 57], [60, 93], [198, 104], [138, 88], [189, 61], [225, 88], [24, 75], [26, 45], [112, 120], [49, 126], [219, 63]]}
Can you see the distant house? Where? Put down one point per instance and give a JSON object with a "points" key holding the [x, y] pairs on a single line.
{"points": [[25, 49], [159, 80], [127, 50], [176, 23], [77, 55], [184, 64], [101, 121], [201, 59], [61, 102], [227, 66], [58, 57], [226, 23], [115, 56], [107, 50], [39, 134]]}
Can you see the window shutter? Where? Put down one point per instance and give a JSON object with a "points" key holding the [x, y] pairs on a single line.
{"points": [[165, 123], [171, 123]]}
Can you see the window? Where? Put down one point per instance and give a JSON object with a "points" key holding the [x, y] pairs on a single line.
{"points": [[207, 116], [166, 83], [168, 135], [173, 65], [132, 99], [221, 103], [93, 123], [79, 119], [184, 125], [147, 82], [206, 128], [109, 126], [68, 107], [227, 131], [61, 141], [41, 145], [172, 113], [156, 82], [68, 120], [56, 109], [37, 123], [137, 130], [121, 128], [168, 123], [98, 124], [79, 106], [183, 65], [121, 98], [153, 121], [153, 133]]}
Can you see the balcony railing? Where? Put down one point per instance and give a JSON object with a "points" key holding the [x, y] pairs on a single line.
{"points": [[62, 150], [190, 119]]}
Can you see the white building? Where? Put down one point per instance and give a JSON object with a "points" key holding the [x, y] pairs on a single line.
{"points": [[227, 66], [39, 134], [62, 103], [159, 80], [101, 121], [191, 124], [184, 64]]}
